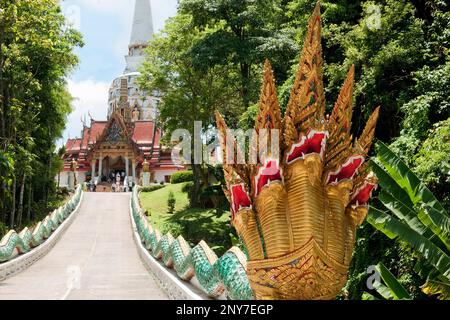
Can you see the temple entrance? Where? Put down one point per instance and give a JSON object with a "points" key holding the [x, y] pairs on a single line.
{"points": [[114, 172], [111, 167], [117, 169]]}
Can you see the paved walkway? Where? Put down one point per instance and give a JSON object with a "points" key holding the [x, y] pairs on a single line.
{"points": [[95, 259]]}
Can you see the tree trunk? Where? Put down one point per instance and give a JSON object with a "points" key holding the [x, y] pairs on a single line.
{"points": [[47, 183], [245, 77], [2, 201], [195, 192], [22, 191], [2, 102], [30, 195], [13, 201]]}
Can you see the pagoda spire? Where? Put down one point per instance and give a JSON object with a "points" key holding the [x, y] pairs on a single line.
{"points": [[141, 34]]}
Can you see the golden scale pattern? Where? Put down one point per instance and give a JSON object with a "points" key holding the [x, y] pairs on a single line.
{"points": [[300, 232]]}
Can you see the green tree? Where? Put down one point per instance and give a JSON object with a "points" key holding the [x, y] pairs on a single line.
{"points": [[246, 32], [36, 54], [188, 94], [394, 46], [431, 105], [432, 161]]}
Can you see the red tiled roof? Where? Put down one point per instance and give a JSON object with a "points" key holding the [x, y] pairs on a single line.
{"points": [[143, 133], [85, 138], [69, 144], [73, 145], [96, 131]]}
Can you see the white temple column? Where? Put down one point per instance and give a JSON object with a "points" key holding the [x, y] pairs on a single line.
{"points": [[100, 166], [133, 169], [93, 168], [127, 166]]}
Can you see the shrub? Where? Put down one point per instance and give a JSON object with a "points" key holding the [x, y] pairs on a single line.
{"points": [[63, 191], [213, 197], [171, 201], [151, 188], [187, 187], [182, 176]]}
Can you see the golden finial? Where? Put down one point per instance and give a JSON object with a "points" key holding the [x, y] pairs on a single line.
{"points": [[364, 142], [340, 141], [269, 115], [233, 169], [306, 105]]}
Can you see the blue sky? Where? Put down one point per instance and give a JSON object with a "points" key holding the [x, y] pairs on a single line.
{"points": [[106, 28]]}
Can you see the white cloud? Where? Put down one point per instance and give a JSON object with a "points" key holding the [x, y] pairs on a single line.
{"points": [[109, 6], [120, 12], [91, 97]]}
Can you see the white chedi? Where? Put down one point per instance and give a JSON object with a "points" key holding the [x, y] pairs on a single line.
{"points": [[141, 34], [146, 104]]}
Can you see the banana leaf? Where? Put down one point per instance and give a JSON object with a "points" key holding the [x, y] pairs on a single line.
{"points": [[405, 213], [439, 223], [396, 289], [395, 228], [388, 184], [411, 217], [384, 291], [406, 179], [378, 219]]}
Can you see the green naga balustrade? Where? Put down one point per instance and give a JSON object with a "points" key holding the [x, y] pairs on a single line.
{"points": [[14, 243], [216, 276]]}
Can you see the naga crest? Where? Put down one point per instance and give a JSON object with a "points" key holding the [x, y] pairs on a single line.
{"points": [[298, 209]]}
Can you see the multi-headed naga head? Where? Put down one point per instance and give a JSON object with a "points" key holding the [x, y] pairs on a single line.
{"points": [[297, 209]]}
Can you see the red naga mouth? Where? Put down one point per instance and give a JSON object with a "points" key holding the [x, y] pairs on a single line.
{"points": [[313, 143], [268, 173], [362, 195], [240, 198], [347, 170]]}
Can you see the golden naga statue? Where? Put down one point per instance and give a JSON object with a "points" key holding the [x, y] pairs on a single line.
{"points": [[297, 212]]}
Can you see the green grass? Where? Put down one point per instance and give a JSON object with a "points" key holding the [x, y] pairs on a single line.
{"points": [[194, 224], [156, 203]]}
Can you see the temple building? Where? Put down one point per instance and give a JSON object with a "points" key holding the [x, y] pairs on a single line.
{"points": [[129, 141]]}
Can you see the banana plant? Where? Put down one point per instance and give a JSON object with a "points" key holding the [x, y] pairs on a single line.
{"points": [[413, 215], [392, 290]]}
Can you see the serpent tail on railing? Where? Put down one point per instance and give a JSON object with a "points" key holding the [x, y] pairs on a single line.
{"points": [[14, 243], [216, 276]]}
